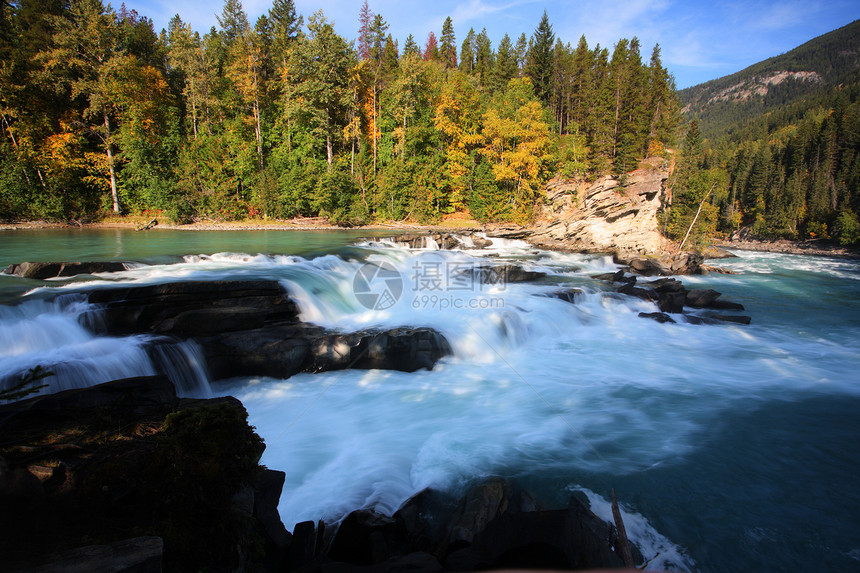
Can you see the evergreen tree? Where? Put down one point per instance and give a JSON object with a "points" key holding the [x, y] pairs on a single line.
{"points": [[505, 65], [540, 60], [448, 44], [410, 48], [467, 53], [483, 58]]}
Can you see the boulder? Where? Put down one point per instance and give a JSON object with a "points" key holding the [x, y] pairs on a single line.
{"points": [[567, 295], [660, 317], [665, 265], [127, 459], [480, 531], [192, 308], [42, 271], [700, 298], [503, 274], [404, 349]]}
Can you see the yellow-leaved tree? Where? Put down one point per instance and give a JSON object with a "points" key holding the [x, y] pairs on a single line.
{"points": [[518, 144]]}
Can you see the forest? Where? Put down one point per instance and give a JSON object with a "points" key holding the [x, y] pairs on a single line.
{"points": [[783, 164], [102, 115]]}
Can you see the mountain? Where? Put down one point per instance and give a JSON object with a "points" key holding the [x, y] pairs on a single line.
{"points": [[725, 105]]}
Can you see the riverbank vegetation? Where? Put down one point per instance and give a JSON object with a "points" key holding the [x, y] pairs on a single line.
{"points": [[283, 118], [774, 151]]}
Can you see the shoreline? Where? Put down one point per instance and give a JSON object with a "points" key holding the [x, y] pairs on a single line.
{"points": [[813, 247]]}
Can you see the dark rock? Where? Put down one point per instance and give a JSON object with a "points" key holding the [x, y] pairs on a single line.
{"points": [[680, 264], [267, 495], [660, 317], [277, 351], [504, 274], [481, 505], [43, 271], [568, 295], [303, 548], [193, 308], [640, 293], [422, 520], [404, 349], [132, 459], [671, 301], [136, 555], [700, 298], [615, 277], [365, 537]]}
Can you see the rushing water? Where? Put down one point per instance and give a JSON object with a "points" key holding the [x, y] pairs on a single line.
{"points": [[731, 447]]}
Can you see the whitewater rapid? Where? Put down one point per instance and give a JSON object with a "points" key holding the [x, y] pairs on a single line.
{"points": [[559, 396]]}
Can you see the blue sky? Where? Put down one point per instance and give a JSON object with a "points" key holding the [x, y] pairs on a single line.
{"points": [[700, 41]]}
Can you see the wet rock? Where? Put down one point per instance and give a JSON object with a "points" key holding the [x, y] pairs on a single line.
{"points": [[568, 295], [503, 274], [665, 265], [404, 349], [700, 298], [660, 317], [726, 305], [192, 308], [42, 271], [481, 505], [365, 537]]}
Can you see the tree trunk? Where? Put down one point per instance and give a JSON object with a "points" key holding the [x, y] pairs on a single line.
{"points": [[108, 147], [328, 143]]}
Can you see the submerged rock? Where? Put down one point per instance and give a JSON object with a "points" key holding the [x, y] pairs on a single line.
{"points": [[43, 271]]}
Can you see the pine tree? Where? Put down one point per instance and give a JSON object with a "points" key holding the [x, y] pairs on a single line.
{"points": [[483, 58], [410, 48], [365, 18], [467, 53], [505, 65], [448, 44], [541, 64]]}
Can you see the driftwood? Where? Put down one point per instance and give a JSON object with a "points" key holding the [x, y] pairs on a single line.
{"points": [[148, 226], [623, 544]]}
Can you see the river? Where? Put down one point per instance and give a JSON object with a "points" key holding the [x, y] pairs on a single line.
{"points": [[730, 447]]}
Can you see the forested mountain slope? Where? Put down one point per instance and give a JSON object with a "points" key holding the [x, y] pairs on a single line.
{"points": [[724, 105], [775, 149]]}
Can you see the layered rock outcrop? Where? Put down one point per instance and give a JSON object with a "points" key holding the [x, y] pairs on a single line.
{"points": [[608, 215]]}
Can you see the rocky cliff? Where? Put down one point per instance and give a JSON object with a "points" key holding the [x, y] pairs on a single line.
{"points": [[609, 215]]}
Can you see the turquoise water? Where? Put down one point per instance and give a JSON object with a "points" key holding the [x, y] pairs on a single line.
{"points": [[731, 447]]}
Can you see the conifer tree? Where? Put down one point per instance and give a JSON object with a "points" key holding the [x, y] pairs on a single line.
{"points": [[410, 48], [483, 58], [505, 65], [540, 61], [448, 44], [467, 53]]}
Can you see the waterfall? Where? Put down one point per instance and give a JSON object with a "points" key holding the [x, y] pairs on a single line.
{"points": [[183, 363]]}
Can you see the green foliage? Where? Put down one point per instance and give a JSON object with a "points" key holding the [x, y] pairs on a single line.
{"points": [[847, 228], [99, 112]]}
